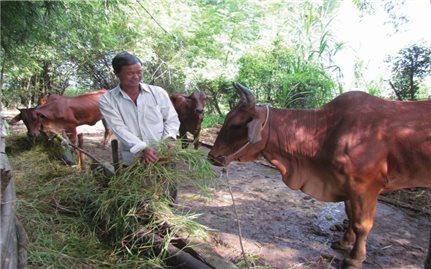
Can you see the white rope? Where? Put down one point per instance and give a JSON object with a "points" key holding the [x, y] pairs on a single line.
{"points": [[224, 172]]}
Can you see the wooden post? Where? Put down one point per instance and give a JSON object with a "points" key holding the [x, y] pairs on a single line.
{"points": [[81, 157], [115, 156]]}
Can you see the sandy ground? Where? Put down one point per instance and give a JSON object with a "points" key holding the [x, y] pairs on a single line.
{"points": [[282, 228]]}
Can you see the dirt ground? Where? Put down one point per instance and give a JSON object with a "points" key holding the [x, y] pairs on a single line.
{"points": [[282, 228]]}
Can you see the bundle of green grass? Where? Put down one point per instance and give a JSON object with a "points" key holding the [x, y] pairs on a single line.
{"points": [[76, 219]]}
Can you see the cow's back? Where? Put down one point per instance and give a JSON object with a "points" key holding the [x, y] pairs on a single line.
{"points": [[399, 131], [77, 110]]}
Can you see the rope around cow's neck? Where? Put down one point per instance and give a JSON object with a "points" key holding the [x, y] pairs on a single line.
{"points": [[225, 173], [248, 142]]}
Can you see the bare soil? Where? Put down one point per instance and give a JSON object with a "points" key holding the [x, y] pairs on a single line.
{"points": [[282, 228]]}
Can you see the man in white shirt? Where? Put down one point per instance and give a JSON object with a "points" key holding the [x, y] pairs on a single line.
{"points": [[138, 114]]}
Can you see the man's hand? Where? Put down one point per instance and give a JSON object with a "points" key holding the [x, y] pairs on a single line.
{"points": [[171, 146], [149, 155], [171, 143]]}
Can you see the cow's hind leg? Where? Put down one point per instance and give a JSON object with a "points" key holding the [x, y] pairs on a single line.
{"points": [[71, 134], [363, 204], [108, 134], [345, 243], [184, 140], [196, 139]]}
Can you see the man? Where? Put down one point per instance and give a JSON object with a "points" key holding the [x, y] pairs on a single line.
{"points": [[139, 114]]}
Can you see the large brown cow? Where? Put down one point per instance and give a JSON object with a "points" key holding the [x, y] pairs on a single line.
{"points": [[190, 110], [63, 114], [352, 149]]}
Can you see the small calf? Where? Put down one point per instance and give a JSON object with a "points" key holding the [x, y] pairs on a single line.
{"points": [[190, 111]]}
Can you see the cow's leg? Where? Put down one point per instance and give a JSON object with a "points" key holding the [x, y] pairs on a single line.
{"points": [[71, 134], [427, 264], [108, 134], [349, 236], [363, 205], [196, 139], [183, 137]]}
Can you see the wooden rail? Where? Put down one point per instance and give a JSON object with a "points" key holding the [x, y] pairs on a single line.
{"points": [[13, 238]]}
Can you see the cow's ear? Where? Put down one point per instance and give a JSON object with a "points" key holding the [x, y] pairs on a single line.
{"points": [[15, 119], [254, 131]]}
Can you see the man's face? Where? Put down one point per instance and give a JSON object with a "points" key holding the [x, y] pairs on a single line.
{"points": [[130, 75]]}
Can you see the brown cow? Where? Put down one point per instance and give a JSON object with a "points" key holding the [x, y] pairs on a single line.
{"points": [[352, 149], [190, 110], [63, 114], [28, 116]]}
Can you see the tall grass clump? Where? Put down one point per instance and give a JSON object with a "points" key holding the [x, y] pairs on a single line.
{"points": [[136, 210], [75, 220]]}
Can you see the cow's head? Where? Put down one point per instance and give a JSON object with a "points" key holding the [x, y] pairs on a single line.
{"points": [[240, 137], [197, 100], [31, 120]]}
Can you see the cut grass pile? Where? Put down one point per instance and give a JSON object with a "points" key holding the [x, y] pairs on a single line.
{"points": [[73, 221]]}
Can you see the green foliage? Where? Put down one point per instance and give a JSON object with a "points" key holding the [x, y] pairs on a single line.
{"points": [[279, 76], [211, 120], [409, 68], [185, 46], [69, 42], [310, 88]]}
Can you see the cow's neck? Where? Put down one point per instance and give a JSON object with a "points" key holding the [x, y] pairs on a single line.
{"points": [[294, 147], [300, 132]]}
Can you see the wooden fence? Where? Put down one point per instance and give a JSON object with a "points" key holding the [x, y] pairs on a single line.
{"points": [[13, 238]]}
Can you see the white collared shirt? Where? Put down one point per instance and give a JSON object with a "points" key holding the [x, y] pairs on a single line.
{"points": [[136, 126]]}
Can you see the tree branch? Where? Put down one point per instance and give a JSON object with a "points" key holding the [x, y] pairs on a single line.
{"points": [[397, 93]]}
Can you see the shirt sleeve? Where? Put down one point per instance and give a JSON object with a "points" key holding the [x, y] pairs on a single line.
{"points": [[116, 123], [171, 123]]}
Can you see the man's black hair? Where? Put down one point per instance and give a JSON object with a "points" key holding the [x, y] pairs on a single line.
{"points": [[124, 58]]}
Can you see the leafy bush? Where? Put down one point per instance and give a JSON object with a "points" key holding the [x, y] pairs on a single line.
{"points": [[211, 120], [280, 77]]}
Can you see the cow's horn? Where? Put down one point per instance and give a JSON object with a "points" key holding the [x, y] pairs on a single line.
{"points": [[245, 93]]}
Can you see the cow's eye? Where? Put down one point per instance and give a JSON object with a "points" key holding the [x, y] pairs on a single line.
{"points": [[235, 126]]}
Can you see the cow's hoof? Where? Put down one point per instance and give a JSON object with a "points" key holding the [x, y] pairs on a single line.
{"points": [[340, 246], [349, 263]]}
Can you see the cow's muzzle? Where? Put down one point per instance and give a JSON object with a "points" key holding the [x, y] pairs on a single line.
{"points": [[199, 111], [217, 161]]}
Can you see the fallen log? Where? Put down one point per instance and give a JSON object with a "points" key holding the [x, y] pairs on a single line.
{"points": [[179, 254]]}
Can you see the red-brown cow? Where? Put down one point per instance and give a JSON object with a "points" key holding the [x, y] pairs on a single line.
{"points": [[190, 110], [63, 114], [352, 149], [28, 116]]}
